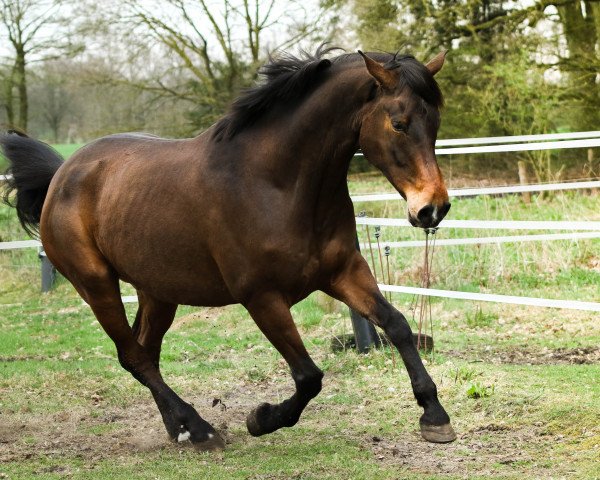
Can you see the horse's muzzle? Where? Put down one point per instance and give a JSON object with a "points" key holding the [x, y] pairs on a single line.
{"points": [[429, 216]]}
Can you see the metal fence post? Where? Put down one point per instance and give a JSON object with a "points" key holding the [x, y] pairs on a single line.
{"points": [[364, 331], [48, 272]]}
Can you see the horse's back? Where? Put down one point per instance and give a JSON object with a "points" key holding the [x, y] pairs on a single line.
{"points": [[111, 166]]}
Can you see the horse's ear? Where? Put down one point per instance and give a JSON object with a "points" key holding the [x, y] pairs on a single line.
{"points": [[385, 78], [437, 62]]}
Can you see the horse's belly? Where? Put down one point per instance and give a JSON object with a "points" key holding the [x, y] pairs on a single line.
{"points": [[202, 295], [198, 285]]}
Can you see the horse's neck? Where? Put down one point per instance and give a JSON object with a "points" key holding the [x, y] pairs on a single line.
{"points": [[321, 136]]}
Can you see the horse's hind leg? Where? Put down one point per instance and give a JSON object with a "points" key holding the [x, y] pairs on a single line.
{"points": [[272, 315], [99, 286]]}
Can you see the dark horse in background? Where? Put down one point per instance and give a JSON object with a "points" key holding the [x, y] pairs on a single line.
{"points": [[255, 211]]}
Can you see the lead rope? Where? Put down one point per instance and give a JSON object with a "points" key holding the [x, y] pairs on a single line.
{"points": [[389, 279], [433, 237], [424, 302], [387, 295], [372, 255], [377, 235]]}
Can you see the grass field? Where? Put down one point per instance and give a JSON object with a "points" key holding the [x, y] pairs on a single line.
{"points": [[520, 383]]}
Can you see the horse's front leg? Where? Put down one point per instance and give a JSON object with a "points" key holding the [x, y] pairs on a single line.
{"points": [[272, 315], [357, 288]]}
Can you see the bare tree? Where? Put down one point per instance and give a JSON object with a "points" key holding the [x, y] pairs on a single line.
{"points": [[215, 47], [31, 29]]}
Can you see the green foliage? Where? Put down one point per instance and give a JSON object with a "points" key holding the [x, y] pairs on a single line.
{"points": [[212, 99], [478, 390], [480, 318], [502, 77], [465, 373]]}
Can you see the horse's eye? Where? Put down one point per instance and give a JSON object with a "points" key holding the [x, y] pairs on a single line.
{"points": [[399, 126]]}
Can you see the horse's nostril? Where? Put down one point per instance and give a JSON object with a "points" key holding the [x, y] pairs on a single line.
{"points": [[425, 214]]}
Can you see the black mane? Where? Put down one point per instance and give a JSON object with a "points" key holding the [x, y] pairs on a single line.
{"points": [[288, 78]]}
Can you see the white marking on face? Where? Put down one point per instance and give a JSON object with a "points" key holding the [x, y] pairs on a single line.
{"points": [[183, 436], [210, 435]]}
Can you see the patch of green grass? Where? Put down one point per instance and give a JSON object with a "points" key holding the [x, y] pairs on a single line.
{"points": [[478, 390], [465, 373], [479, 318]]}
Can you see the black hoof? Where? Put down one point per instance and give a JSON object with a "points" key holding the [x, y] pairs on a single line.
{"points": [[257, 419], [204, 441], [438, 433]]}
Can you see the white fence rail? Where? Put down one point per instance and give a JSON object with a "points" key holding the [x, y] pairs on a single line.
{"points": [[451, 142], [488, 297], [19, 244], [488, 240], [519, 147], [473, 192], [488, 224]]}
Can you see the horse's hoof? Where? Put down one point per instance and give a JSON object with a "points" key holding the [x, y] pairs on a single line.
{"points": [[438, 433], [214, 443], [253, 421]]}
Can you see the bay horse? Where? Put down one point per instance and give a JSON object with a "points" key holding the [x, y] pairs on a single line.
{"points": [[255, 211]]}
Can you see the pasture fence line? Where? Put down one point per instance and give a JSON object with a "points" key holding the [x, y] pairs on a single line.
{"points": [[519, 147], [442, 149], [488, 240], [14, 245], [489, 224], [520, 143], [472, 192], [489, 297], [451, 142], [514, 143]]}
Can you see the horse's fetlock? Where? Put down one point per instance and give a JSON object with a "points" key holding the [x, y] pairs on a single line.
{"points": [[309, 383], [425, 391]]}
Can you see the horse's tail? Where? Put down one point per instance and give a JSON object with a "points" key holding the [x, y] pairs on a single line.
{"points": [[32, 164]]}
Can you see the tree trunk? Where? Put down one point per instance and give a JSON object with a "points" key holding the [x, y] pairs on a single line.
{"points": [[9, 101], [20, 79]]}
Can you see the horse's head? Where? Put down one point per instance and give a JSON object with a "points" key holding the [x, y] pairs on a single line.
{"points": [[398, 134]]}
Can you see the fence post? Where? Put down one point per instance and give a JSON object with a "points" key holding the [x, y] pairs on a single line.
{"points": [[364, 331], [48, 272], [523, 180]]}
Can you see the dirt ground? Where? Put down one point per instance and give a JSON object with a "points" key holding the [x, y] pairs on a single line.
{"points": [[98, 433], [545, 356], [139, 429]]}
